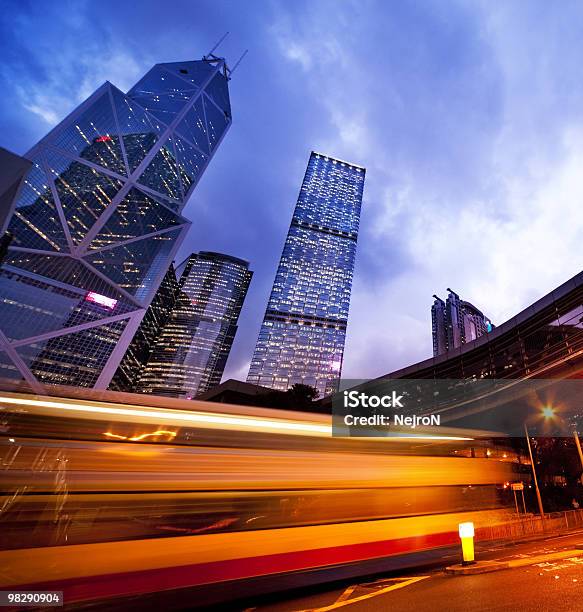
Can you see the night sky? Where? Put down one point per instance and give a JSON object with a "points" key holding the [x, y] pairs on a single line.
{"points": [[467, 115]]}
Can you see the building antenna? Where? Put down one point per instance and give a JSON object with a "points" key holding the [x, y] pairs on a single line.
{"points": [[210, 53], [238, 62]]}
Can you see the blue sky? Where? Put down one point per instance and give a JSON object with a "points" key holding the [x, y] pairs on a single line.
{"points": [[467, 115]]}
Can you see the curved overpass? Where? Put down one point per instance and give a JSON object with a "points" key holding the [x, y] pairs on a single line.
{"points": [[545, 340]]}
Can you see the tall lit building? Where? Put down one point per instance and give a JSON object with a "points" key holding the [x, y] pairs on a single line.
{"points": [[192, 349], [456, 322], [303, 332], [98, 221]]}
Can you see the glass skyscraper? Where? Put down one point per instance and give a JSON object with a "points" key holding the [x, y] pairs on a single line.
{"points": [[191, 351], [304, 329], [98, 221]]}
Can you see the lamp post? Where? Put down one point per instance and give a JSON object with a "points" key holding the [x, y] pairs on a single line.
{"points": [[538, 497], [576, 436]]}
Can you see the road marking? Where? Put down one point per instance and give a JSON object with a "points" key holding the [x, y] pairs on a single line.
{"points": [[347, 593], [346, 602], [565, 554]]}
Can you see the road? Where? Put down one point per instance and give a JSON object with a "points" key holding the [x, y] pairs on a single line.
{"points": [[539, 581]]}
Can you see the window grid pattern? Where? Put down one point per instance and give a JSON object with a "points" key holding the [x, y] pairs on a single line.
{"points": [[304, 329], [191, 351]]}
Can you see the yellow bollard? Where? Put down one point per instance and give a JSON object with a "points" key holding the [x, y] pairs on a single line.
{"points": [[466, 531]]}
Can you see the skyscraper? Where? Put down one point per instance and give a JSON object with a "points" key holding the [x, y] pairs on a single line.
{"points": [[455, 322], [303, 332], [191, 351], [98, 221]]}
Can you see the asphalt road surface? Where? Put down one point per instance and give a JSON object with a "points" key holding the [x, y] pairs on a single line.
{"points": [[539, 582]]}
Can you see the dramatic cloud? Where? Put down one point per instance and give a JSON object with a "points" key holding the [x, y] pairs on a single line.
{"points": [[69, 71], [467, 115], [467, 123]]}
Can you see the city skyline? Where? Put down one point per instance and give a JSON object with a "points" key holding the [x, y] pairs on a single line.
{"points": [[446, 117]]}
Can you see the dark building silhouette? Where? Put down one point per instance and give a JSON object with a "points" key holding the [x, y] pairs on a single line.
{"points": [[456, 322], [192, 348], [545, 340]]}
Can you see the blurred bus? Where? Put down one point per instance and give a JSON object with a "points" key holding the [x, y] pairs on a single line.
{"points": [[106, 500]]}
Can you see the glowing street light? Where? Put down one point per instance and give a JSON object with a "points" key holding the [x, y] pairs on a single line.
{"points": [[548, 412], [538, 497]]}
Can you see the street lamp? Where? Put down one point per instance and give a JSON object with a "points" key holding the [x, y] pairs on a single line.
{"points": [[548, 412], [576, 436], [538, 497]]}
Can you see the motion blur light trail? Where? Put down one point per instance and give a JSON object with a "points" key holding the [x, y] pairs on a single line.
{"points": [[141, 437], [104, 500], [202, 419]]}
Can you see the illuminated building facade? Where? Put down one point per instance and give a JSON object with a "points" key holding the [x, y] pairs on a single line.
{"points": [[142, 344], [455, 322], [303, 332], [98, 221], [192, 349]]}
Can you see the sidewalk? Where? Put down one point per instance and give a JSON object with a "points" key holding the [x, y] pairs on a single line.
{"points": [[485, 563]]}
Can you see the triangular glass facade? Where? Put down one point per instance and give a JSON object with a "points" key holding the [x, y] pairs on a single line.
{"points": [[158, 81], [72, 359], [62, 306], [139, 130], [104, 195], [193, 126], [94, 136], [196, 73], [162, 93], [164, 106], [133, 265], [84, 192], [136, 215], [190, 162], [216, 121], [218, 90], [65, 270], [162, 173], [36, 222]]}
